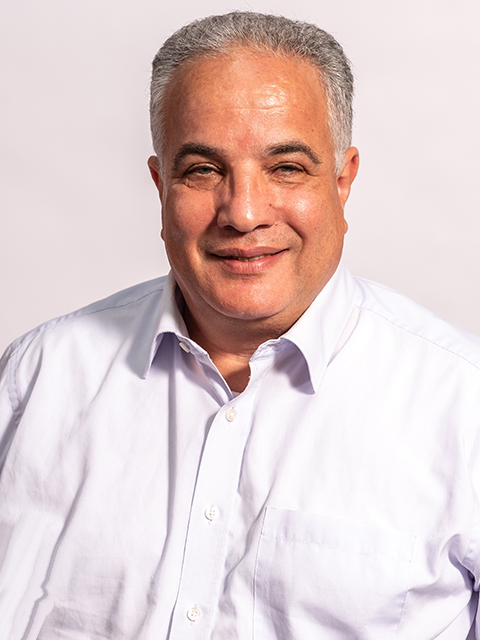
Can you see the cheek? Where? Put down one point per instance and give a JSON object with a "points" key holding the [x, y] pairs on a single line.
{"points": [[326, 210], [311, 214], [320, 224], [184, 216], [186, 222]]}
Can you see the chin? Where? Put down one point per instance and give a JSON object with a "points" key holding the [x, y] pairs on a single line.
{"points": [[250, 311]]}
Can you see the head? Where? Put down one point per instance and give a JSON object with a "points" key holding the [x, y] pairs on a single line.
{"points": [[250, 182], [216, 35]]}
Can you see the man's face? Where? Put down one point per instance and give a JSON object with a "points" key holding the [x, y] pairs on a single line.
{"points": [[252, 208]]}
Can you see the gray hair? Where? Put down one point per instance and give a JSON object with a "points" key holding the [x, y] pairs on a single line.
{"points": [[264, 33]]}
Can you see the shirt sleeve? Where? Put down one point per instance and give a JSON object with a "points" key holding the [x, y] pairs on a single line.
{"points": [[8, 414]]}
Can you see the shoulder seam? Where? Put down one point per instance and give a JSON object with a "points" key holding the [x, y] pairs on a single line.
{"points": [[419, 335], [79, 313]]}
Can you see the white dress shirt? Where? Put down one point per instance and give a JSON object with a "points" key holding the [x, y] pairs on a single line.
{"points": [[337, 497]]}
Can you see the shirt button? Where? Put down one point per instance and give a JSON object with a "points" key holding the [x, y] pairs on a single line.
{"points": [[231, 414], [185, 347], [211, 513], [194, 614]]}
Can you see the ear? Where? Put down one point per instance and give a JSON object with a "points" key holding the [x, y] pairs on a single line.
{"points": [[155, 173], [156, 177], [347, 174]]}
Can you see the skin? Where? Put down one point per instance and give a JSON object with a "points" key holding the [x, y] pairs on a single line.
{"points": [[252, 207]]}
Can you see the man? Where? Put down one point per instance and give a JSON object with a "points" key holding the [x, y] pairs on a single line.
{"points": [[259, 445]]}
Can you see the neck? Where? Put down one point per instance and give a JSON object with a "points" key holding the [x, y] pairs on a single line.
{"points": [[231, 342]]}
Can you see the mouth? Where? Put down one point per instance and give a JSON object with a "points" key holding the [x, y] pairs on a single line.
{"points": [[251, 258], [248, 261], [247, 255]]}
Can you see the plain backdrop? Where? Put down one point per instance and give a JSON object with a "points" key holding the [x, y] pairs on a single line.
{"points": [[80, 217]]}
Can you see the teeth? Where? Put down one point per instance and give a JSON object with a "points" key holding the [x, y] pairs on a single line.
{"points": [[249, 259]]}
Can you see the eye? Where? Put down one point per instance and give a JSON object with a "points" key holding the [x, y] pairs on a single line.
{"points": [[290, 167], [202, 176], [201, 170], [288, 171]]}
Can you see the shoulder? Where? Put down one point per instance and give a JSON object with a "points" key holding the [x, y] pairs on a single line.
{"points": [[68, 358], [413, 324], [94, 332], [102, 312]]}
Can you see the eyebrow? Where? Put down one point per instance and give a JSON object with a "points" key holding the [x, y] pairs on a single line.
{"points": [[194, 149], [293, 147], [198, 149]]}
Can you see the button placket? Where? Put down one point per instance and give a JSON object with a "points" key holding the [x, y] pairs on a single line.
{"points": [[194, 614], [212, 513], [231, 414], [217, 478]]}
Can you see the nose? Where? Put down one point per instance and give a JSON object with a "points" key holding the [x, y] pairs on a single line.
{"points": [[243, 203]]}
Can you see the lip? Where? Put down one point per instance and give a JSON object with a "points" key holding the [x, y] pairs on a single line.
{"points": [[248, 261]]}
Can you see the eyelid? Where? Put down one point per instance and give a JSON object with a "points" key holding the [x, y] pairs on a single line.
{"points": [[201, 165], [290, 164]]}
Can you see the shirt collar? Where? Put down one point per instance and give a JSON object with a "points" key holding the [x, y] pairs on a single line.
{"points": [[323, 329], [318, 334], [169, 319]]}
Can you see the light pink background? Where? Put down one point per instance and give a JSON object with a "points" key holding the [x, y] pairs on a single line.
{"points": [[80, 219]]}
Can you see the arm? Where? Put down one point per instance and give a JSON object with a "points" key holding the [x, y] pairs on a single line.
{"points": [[8, 403]]}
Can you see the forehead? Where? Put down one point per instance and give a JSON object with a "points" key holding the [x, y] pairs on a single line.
{"points": [[243, 82], [238, 63]]}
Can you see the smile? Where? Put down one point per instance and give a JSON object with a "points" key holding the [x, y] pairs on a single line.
{"points": [[246, 262], [243, 259], [247, 255]]}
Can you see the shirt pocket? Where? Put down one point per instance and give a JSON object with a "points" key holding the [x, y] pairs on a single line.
{"points": [[326, 578]]}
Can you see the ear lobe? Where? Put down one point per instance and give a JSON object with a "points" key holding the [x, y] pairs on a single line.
{"points": [[155, 173], [347, 174]]}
